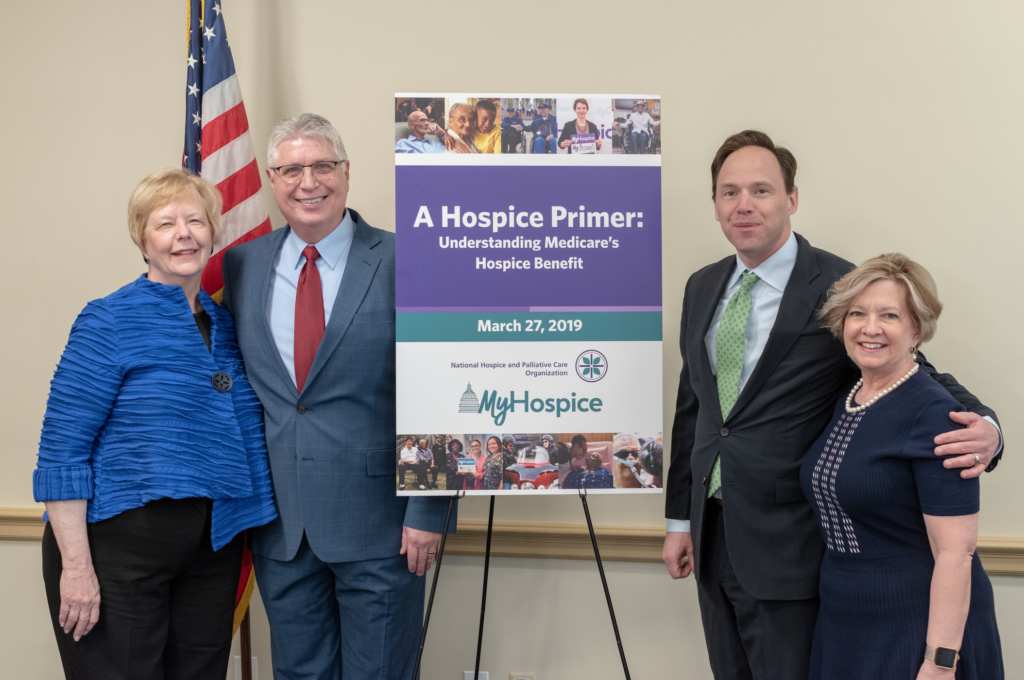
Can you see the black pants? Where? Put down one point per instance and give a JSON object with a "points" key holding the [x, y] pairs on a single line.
{"points": [[167, 600], [510, 140], [747, 638], [418, 468]]}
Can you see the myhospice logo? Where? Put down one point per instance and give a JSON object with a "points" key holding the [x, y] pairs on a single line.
{"points": [[499, 407]]}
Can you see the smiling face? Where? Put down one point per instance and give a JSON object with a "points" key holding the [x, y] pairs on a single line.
{"points": [[419, 123], [459, 120], [879, 331], [474, 448], [408, 443], [484, 120], [493, 447], [581, 110], [751, 204], [313, 206], [177, 241]]}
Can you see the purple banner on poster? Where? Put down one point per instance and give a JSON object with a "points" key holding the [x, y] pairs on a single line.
{"points": [[565, 236]]}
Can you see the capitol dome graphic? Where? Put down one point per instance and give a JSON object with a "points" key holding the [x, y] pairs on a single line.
{"points": [[469, 403]]}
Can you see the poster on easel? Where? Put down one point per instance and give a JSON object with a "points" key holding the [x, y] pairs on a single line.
{"points": [[528, 293]]}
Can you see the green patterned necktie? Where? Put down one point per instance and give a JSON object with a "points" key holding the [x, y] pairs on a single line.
{"points": [[729, 346]]}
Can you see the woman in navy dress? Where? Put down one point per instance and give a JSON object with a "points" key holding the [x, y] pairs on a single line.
{"points": [[903, 594]]}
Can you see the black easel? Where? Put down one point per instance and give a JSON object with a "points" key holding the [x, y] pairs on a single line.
{"points": [[483, 597], [433, 586], [604, 582]]}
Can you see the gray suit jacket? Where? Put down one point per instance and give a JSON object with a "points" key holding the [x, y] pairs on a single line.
{"points": [[332, 447]]}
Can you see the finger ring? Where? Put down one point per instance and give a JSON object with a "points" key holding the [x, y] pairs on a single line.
{"points": [[431, 552], [976, 459]]}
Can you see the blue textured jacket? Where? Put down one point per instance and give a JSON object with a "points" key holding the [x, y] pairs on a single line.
{"points": [[133, 415]]}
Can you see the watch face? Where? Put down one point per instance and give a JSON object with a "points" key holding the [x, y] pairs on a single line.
{"points": [[945, 657]]}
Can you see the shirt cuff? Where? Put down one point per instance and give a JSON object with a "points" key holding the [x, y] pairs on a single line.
{"points": [[992, 420], [677, 526]]}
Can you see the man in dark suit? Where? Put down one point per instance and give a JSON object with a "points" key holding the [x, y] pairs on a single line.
{"points": [[759, 383], [341, 569]]}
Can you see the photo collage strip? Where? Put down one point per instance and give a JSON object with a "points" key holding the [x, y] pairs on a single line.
{"points": [[528, 462], [527, 125]]}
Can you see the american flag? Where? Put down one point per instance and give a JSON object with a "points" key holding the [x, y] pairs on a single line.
{"points": [[218, 145]]}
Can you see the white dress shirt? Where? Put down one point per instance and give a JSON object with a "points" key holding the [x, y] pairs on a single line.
{"points": [[333, 250]]}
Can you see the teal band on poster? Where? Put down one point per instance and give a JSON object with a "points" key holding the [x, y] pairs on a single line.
{"points": [[527, 326]]}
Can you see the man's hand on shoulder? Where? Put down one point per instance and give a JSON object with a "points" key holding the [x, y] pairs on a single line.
{"points": [[974, 446], [421, 547], [678, 546]]}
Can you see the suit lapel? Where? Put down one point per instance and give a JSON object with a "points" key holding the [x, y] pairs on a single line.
{"points": [[798, 304], [703, 315], [360, 267], [265, 263]]}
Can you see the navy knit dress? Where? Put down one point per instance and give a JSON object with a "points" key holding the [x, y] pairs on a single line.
{"points": [[869, 478]]}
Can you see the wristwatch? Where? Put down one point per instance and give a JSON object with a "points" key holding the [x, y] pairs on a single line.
{"points": [[942, 657]]}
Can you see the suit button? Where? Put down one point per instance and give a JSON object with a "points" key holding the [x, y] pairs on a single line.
{"points": [[724, 432], [301, 409], [221, 381]]}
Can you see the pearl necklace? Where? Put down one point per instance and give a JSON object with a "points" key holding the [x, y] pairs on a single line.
{"points": [[887, 390]]}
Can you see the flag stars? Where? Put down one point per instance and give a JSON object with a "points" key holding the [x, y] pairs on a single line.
{"points": [[191, 61], [195, 119], [216, 8], [208, 33], [193, 90], [199, 147]]}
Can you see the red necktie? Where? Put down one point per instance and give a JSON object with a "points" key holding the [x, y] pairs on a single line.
{"points": [[309, 316]]}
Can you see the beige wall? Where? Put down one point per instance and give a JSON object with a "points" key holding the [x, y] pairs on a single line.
{"points": [[904, 117]]}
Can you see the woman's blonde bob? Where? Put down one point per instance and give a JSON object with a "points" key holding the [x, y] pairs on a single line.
{"points": [[163, 188], [922, 296]]}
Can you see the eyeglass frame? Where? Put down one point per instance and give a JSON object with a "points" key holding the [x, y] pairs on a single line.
{"points": [[310, 166]]}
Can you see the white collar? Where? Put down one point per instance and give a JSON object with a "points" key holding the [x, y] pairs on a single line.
{"points": [[330, 247], [776, 270]]}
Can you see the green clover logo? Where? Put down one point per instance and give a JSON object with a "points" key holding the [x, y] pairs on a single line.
{"points": [[591, 365]]}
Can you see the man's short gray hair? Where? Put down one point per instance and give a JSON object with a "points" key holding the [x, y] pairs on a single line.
{"points": [[304, 125]]}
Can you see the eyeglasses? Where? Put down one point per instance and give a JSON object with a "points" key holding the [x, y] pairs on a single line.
{"points": [[293, 173]]}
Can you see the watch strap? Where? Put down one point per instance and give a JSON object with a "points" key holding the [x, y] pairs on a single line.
{"points": [[942, 657]]}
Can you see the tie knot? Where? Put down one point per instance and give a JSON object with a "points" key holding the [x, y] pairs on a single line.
{"points": [[312, 254], [749, 279]]}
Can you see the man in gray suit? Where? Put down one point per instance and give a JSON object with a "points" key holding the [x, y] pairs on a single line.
{"points": [[341, 569]]}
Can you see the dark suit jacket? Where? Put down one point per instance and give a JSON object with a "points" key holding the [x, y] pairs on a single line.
{"points": [[332, 448], [774, 542]]}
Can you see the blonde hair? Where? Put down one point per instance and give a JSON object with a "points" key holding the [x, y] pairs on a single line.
{"points": [[922, 295], [165, 187]]}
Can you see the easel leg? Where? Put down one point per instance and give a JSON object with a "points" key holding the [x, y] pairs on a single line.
{"points": [[483, 597], [604, 582], [433, 586]]}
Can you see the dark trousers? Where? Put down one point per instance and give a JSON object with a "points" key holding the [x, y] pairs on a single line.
{"points": [[747, 638], [418, 468], [167, 600], [510, 140], [332, 620]]}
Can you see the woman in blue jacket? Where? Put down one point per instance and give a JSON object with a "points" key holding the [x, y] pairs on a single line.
{"points": [[152, 460]]}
